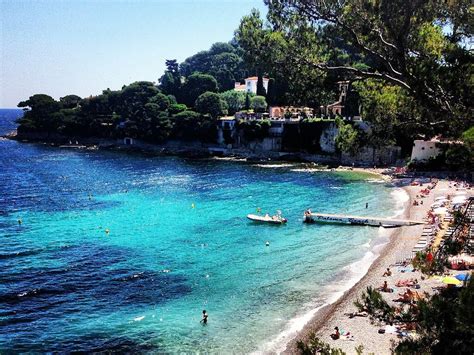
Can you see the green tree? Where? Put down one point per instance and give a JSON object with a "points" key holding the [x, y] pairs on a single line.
{"points": [[401, 43], [160, 123], [247, 101], [197, 84], [272, 93], [276, 51], [70, 101], [41, 114], [468, 137], [190, 125], [170, 81], [223, 61], [186, 124], [251, 36], [348, 138], [258, 103], [212, 104], [176, 108], [445, 324], [260, 88], [134, 97], [393, 115], [235, 100], [163, 101]]}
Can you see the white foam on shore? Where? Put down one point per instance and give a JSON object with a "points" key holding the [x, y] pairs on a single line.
{"points": [[331, 293], [401, 198], [376, 181], [352, 274], [309, 170], [282, 165]]}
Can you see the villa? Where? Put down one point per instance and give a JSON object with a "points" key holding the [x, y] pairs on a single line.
{"points": [[251, 85]]}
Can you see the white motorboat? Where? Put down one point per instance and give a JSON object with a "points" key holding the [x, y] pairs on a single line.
{"points": [[277, 219]]}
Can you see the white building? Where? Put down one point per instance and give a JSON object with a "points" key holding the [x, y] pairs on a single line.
{"points": [[251, 85], [425, 150]]}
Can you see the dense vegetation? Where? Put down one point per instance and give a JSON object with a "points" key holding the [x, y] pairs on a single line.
{"points": [[409, 63]]}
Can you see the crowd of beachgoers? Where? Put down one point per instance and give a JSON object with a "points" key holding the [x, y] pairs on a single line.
{"points": [[397, 274]]}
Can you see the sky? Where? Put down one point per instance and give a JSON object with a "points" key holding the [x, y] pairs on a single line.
{"points": [[82, 46]]}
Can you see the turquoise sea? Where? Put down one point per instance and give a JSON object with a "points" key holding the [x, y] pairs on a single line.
{"points": [[178, 242]]}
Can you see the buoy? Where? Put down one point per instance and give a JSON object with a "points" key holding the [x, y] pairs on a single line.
{"points": [[267, 243]]}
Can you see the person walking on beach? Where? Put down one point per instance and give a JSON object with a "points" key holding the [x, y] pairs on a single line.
{"points": [[204, 317]]}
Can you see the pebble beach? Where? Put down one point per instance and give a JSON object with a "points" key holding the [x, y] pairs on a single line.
{"points": [[363, 331]]}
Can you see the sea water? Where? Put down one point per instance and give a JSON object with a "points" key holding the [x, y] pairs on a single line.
{"points": [[123, 252]]}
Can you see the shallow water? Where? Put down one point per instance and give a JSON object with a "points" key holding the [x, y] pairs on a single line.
{"points": [[66, 284]]}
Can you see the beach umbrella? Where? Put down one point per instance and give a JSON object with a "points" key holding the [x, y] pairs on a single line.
{"points": [[463, 277], [449, 280], [440, 210]]}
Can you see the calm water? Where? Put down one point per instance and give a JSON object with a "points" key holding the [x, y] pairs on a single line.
{"points": [[66, 284]]}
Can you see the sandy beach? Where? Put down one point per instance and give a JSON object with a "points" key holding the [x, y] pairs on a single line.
{"points": [[365, 332]]}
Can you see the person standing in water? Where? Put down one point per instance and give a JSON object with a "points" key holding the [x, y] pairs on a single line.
{"points": [[204, 317]]}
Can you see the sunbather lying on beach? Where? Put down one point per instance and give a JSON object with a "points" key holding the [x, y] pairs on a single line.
{"points": [[405, 297], [406, 283], [385, 288], [357, 314]]}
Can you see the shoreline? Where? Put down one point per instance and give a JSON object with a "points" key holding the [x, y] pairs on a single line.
{"points": [[247, 157], [193, 149], [321, 314], [401, 240]]}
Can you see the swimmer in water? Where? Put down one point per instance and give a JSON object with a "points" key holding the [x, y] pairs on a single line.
{"points": [[204, 317], [20, 222]]}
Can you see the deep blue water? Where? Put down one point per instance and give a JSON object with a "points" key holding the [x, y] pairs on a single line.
{"points": [[177, 242]]}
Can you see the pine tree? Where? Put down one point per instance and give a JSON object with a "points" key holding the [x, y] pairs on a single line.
{"points": [[260, 88], [271, 94]]}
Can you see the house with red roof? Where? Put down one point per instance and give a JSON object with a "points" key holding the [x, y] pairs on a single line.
{"points": [[251, 84]]}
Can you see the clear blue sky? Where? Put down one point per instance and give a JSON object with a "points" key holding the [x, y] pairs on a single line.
{"points": [[81, 47]]}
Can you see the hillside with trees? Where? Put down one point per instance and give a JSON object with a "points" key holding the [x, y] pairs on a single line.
{"points": [[410, 67]]}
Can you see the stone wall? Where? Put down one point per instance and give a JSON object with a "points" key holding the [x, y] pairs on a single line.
{"points": [[265, 145], [327, 140], [370, 156]]}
